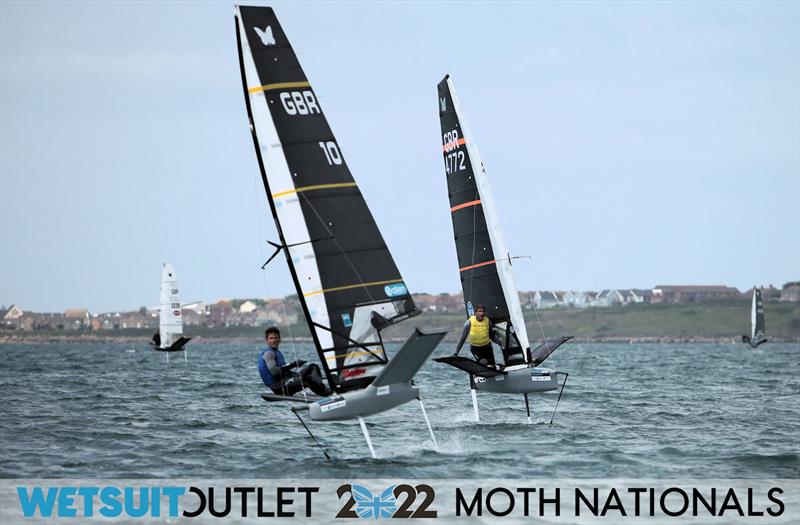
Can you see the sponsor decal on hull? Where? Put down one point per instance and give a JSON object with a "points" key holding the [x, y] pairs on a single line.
{"points": [[331, 403]]}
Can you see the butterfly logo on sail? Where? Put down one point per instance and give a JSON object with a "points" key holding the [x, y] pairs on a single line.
{"points": [[443, 103], [266, 36]]}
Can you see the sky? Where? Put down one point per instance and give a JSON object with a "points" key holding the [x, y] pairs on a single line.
{"points": [[628, 144]]}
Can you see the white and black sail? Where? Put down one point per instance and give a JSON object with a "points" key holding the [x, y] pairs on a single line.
{"points": [[347, 281], [483, 260], [484, 265], [758, 330], [170, 321]]}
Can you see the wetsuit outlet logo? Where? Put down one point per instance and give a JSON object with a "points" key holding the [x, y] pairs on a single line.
{"points": [[166, 501]]}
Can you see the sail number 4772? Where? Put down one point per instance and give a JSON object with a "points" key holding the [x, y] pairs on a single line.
{"points": [[453, 157]]}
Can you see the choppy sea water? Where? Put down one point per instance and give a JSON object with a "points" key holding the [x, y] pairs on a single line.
{"points": [[109, 410]]}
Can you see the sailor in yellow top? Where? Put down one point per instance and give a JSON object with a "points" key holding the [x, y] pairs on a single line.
{"points": [[479, 330]]}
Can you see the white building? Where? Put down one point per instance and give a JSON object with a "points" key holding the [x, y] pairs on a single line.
{"points": [[247, 307], [545, 299], [610, 298], [13, 313], [575, 299]]}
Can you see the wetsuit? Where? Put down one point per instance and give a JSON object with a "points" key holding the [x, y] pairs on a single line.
{"points": [[279, 376]]}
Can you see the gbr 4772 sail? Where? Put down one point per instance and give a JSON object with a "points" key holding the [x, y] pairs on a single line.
{"points": [[347, 281], [484, 264]]}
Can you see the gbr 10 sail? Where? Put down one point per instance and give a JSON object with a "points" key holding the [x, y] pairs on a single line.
{"points": [[346, 279]]}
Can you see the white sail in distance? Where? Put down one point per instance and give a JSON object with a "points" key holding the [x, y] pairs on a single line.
{"points": [[753, 315], [170, 322]]}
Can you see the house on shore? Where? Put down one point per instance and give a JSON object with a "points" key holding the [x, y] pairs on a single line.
{"points": [[75, 318], [247, 307], [671, 294], [576, 299], [790, 293], [221, 312], [609, 298], [13, 313], [635, 296], [545, 299]]}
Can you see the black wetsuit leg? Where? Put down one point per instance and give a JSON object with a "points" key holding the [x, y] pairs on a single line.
{"points": [[288, 386], [483, 354], [312, 378], [309, 377]]}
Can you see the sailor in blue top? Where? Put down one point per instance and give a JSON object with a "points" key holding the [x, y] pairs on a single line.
{"points": [[280, 376]]}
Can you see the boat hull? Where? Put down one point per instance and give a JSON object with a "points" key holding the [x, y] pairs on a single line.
{"points": [[177, 346], [523, 380], [362, 403]]}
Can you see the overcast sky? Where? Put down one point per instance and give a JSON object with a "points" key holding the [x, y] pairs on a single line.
{"points": [[627, 144]]}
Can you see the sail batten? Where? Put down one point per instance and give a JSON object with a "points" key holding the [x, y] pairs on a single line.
{"points": [[483, 260], [341, 267]]}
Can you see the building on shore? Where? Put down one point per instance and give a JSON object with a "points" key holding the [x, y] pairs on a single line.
{"points": [[13, 313], [674, 294], [635, 296], [790, 293], [221, 312], [76, 318]]}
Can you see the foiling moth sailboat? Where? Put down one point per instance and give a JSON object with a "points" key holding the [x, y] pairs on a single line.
{"points": [[485, 267], [170, 323], [347, 282], [758, 330]]}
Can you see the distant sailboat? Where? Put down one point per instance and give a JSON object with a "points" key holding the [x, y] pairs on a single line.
{"points": [[485, 266], [169, 337], [758, 331], [347, 282]]}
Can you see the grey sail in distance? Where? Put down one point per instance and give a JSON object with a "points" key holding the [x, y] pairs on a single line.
{"points": [[479, 266], [347, 281], [758, 330]]}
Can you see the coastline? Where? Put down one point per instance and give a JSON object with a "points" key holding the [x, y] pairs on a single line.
{"points": [[33, 338], [718, 323]]}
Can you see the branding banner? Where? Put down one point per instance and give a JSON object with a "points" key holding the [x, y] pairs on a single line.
{"points": [[505, 501]]}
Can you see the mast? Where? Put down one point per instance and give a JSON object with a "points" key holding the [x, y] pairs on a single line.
{"points": [[484, 261]]}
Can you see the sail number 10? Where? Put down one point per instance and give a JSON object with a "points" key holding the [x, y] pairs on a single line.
{"points": [[332, 154]]}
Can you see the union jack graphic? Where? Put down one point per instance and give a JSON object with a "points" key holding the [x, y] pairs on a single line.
{"points": [[371, 506]]}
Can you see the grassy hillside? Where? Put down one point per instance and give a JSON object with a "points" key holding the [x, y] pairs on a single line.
{"points": [[728, 320], [712, 320]]}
